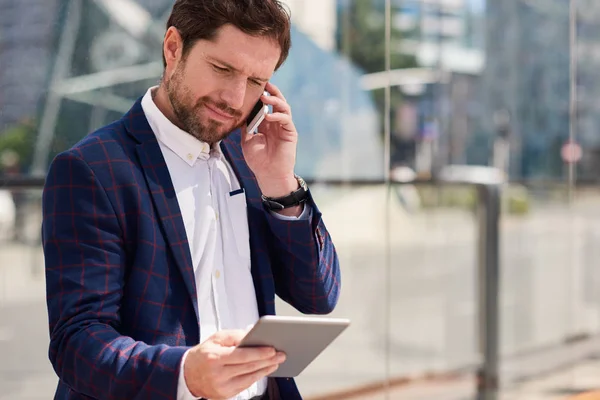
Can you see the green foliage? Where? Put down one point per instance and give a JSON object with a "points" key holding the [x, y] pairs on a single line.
{"points": [[516, 199], [363, 38], [19, 140]]}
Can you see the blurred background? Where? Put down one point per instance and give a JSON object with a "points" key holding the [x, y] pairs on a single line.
{"points": [[389, 97]]}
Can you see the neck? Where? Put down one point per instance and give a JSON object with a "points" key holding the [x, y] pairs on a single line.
{"points": [[161, 99]]}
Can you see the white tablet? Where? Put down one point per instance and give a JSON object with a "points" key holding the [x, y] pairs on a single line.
{"points": [[302, 339]]}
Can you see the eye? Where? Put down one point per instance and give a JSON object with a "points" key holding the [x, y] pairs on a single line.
{"points": [[255, 83], [220, 69]]}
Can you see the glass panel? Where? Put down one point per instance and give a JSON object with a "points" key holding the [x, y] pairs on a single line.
{"points": [[25, 372], [433, 266], [101, 63], [524, 121], [473, 82], [341, 138], [82, 67], [549, 265], [549, 228], [357, 357]]}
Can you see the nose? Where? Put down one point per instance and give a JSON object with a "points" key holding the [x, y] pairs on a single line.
{"points": [[234, 94]]}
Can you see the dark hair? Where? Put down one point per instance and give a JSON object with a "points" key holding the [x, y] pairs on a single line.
{"points": [[201, 19]]}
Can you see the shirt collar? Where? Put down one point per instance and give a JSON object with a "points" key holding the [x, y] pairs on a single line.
{"points": [[187, 147]]}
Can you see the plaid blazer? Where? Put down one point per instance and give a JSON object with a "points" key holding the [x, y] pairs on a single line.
{"points": [[121, 294]]}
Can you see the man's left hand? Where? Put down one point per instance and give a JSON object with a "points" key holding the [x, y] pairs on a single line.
{"points": [[271, 152]]}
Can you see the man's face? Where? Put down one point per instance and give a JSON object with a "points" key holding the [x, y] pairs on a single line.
{"points": [[213, 89]]}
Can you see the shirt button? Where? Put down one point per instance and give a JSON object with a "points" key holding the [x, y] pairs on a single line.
{"points": [[218, 274], [216, 216], [190, 156]]}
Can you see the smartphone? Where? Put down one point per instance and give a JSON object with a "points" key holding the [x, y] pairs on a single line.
{"points": [[257, 115]]}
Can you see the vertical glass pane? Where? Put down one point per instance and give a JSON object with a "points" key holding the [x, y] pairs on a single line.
{"points": [[433, 262], [539, 72], [473, 82], [342, 135], [72, 66], [25, 371], [437, 63], [334, 44], [355, 217]]}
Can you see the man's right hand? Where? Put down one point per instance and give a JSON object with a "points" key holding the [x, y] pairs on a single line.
{"points": [[216, 369]]}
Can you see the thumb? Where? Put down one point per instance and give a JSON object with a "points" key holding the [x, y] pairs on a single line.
{"points": [[229, 338]]}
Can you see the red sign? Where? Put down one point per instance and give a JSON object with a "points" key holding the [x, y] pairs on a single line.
{"points": [[571, 152]]}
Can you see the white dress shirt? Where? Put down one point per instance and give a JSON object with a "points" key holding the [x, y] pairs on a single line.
{"points": [[214, 214]]}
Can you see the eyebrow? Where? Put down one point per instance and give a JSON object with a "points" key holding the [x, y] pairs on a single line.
{"points": [[231, 67]]}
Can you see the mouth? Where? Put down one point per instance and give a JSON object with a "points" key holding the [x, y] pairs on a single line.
{"points": [[219, 115]]}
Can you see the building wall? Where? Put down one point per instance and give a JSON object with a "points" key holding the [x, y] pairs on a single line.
{"points": [[317, 19], [27, 31], [527, 73], [442, 32]]}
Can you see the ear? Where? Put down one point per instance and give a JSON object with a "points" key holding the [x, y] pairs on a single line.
{"points": [[172, 49]]}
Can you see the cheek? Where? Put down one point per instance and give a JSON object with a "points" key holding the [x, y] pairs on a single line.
{"points": [[197, 83], [253, 94]]}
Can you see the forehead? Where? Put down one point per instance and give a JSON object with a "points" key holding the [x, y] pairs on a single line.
{"points": [[252, 55]]}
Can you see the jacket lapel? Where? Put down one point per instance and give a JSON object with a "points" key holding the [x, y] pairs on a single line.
{"points": [[160, 187], [261, 271]]}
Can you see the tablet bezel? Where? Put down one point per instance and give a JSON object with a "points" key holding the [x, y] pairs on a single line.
{"points": [[302, 339]]}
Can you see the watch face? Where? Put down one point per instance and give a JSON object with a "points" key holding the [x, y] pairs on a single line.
{"points": [[301, 181]]}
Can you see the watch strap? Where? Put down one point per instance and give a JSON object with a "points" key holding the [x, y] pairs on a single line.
{"points": [[295, 198]]}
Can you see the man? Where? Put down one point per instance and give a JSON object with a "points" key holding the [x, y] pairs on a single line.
{"points": [[162, 236]]}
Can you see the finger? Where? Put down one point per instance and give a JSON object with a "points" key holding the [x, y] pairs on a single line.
{"points": [[243, 355], [278, 104], [284, 120], [251, 367], [227, 338], [274, 91], [245, 381]]}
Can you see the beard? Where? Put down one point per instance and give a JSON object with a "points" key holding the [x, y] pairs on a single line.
{"points": [[189, 112]]}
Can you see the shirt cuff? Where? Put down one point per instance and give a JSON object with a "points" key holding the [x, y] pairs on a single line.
{"points": [[183, 393], [306, 214]]}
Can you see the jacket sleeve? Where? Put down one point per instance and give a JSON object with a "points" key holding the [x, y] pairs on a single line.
{"points": [[305, 263], [85, 267]]}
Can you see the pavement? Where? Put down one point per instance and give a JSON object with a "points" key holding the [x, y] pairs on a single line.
{"points": [[552, 374], [25, 372], [562, 384], [413, 308]]}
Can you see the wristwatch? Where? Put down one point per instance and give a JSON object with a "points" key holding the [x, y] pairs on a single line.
{"points": [[293, 199]]}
